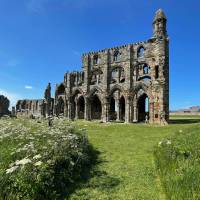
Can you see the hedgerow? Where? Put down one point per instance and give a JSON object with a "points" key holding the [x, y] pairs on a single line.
{"points": [[41, 162], [178, 163]]}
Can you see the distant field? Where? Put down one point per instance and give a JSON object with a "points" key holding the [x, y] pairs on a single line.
{"points": [[125, 169]]}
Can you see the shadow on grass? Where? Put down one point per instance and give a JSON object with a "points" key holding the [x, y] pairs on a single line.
{"points": [[184, 121], [92, 177]]}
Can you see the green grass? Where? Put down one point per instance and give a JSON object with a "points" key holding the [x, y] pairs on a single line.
{"points": [[38, 162], [178, 164], [126, 165], [126, 169]]}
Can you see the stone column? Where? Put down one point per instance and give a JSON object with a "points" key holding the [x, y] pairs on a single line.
{"points": [[135, 117], [76, 109], [128, 110], [69, 110], [105, 110], [87, 109], [66, 109], [117, 105]]}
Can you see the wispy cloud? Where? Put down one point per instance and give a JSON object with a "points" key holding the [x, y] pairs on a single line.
{"points": [[13, 97], [28, 87]]}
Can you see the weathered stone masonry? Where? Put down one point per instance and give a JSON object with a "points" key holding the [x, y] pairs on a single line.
{"points": [[128, 83], [4, 105]]}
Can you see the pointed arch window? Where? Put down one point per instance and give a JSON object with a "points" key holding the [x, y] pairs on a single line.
{"points": [[116, 56], [96, 59], [140, 52], [145, 69]]}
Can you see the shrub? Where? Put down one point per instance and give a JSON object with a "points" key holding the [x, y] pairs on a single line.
{"points": [[45, 163], [178, 163]]}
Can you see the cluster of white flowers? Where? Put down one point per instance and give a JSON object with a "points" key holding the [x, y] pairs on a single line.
{"points": [[14, 166], [34, 140], [168, 142]]}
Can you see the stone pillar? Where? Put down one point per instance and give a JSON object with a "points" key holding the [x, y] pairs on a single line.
{"points": [[128, 110], [66, 109], [87, 109], [76, 109], [117, 106], [135, 116], [105, 110], [69, 111]]}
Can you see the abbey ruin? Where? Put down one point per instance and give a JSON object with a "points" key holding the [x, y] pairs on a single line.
{"points": [[128, 83], [4, 105]]}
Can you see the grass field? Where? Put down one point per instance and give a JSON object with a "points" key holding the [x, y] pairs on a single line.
{"points": [[125, 168]]}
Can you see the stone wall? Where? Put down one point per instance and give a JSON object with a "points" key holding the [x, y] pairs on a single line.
{"points": [[4, 105]]}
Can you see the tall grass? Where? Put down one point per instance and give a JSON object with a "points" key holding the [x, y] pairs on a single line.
{"points": [[178, 163], [38, 162]]}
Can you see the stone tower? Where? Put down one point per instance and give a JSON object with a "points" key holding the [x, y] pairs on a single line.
{"points": [[162, 53]]}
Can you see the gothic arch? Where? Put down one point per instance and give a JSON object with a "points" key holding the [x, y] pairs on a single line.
{"points": [[116, 55], [96, 91], [142, 86], [80, 107], [96, 107], [143, 107], [60, 105], [77, 91], [141, 51], [117, 87], [96, 76], [60, 89]]}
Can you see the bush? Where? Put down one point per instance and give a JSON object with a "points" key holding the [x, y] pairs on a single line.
{"points": [[45, 163], [178, 163]]}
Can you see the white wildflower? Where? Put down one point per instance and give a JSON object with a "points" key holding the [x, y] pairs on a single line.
{"points": [[160, 143], [168, 142], [180, 131], [38, 163], [11, 170], [23, 161], [37, 156]]}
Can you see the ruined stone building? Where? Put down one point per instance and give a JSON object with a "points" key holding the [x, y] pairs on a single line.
{"points": [[4, 105], [126, 83], [36, 107]]}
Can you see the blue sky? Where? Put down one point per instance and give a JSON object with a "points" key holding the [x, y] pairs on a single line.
{"points": [[42, 39]]}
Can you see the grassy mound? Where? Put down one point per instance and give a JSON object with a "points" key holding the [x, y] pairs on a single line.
{"points": [[37, 162], [178, 163]]}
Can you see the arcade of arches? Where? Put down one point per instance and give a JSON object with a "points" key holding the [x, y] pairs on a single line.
{"points": [[115, 107]]}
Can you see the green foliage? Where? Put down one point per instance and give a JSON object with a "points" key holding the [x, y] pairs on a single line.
{"points": [[125, 167], [178, 163], [44, 163]]}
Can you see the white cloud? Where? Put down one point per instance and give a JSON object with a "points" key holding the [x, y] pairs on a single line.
{"points": [[29, 87], [11, 96]]}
